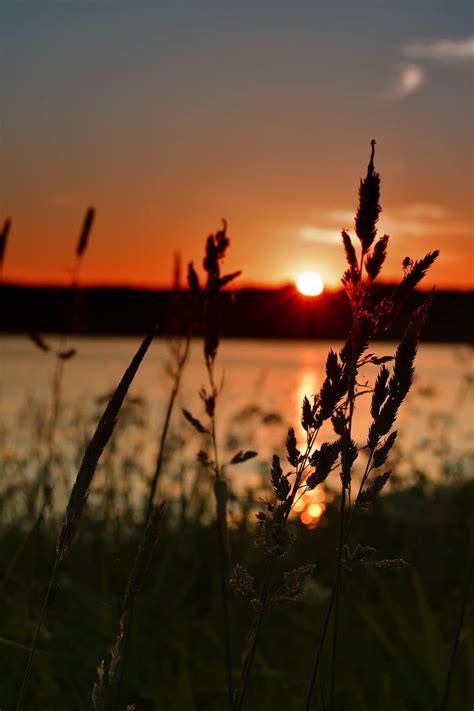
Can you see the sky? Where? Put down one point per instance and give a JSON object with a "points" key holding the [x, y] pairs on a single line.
{"points": [[170, 116]]}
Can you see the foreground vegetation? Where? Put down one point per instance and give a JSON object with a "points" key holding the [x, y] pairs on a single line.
{"points": [[398, 625]]}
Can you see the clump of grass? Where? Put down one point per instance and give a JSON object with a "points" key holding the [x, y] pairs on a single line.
{"points": [[80, 490], [389, 391], [336, 401]]}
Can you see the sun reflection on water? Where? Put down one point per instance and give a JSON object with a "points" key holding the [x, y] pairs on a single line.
{"points": [[310, 507], [307, 382]]}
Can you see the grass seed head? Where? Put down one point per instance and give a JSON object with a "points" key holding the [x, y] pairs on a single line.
{"points": [[100, 438], [369, 208], [353, 274], [375, 260], [4, 239], [85, 232]]}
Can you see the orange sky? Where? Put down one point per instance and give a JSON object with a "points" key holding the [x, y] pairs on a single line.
{"points": [[167, 120]]}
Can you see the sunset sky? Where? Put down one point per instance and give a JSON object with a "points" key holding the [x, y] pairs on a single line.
{"points": [[168, 116]]}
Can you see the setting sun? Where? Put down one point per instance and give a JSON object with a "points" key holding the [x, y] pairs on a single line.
{"points": [[309, 284]]}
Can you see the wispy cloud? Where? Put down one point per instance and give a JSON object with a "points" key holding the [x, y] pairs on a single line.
{"points": [[411, 77], [441, 49], [423, 211], [418, 212], [412, 220], [321, 235]]}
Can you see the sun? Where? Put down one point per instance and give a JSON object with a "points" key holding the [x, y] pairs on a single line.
{"points": [[309, 284]]}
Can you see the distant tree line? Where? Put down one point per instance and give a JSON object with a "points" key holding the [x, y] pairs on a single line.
{"points": [[247, 313]]}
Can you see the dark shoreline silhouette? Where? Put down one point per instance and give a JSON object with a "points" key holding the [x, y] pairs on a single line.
{"points": [[246, 313]]}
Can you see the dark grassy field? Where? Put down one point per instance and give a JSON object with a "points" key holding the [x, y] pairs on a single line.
{"points": [[397, 626]]}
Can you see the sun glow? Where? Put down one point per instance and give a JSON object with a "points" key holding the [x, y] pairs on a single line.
{"points": [[309, 284], [310, 507]]}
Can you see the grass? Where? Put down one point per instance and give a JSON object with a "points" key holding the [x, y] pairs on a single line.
{"points": [[80, 492], [403, 621], [188, 632], [336, 403]]}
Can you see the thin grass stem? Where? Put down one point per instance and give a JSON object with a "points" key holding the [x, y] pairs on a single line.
{"points": [[253, 637], [220, 491], [327, 617], [164, 432], [337, 584]]}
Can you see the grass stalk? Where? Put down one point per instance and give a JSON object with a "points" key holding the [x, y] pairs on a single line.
{"points": [[45, 486], [128, 619], [181, 357], [180, 364], [387, 395], [80, 490], [337, 580], [263, 602], [216, 248], [337, 584], [251, 644], [327, 616], [221, 495]]}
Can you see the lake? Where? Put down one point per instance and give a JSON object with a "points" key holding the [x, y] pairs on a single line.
{"points": [[435, 423]]}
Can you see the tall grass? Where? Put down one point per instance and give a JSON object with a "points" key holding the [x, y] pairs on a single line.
{"points": [[108, 687], [216, 248], [80, 491], [61, 354], [336, 402], [180, 346]]}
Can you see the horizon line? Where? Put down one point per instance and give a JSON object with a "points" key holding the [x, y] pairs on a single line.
{"points": [[249, 286]]}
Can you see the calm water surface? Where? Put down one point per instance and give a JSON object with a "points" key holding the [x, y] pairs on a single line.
{"points": [[271, 374]]}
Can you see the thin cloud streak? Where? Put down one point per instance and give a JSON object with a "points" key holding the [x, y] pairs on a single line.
{"points": [[410, 79], [418, 211], [442, 49], [412, 76], [321, 235], [414, 220]]}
